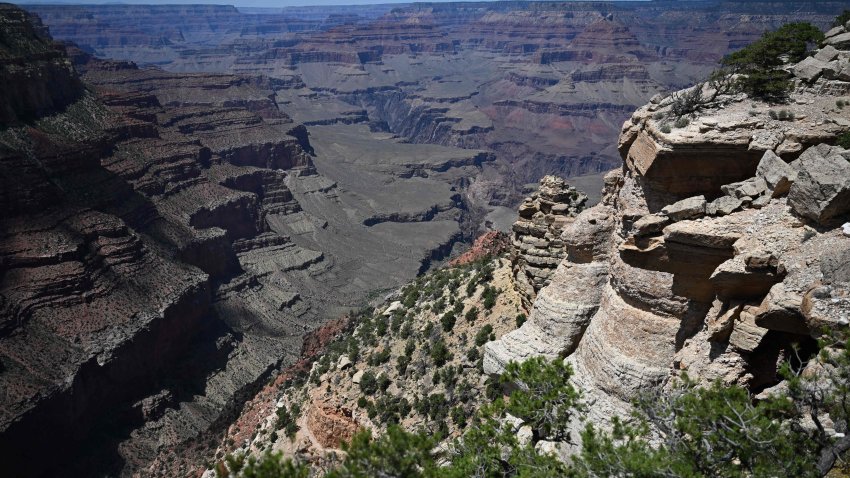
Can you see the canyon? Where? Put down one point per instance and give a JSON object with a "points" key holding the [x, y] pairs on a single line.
{"points": [[189, 191]]}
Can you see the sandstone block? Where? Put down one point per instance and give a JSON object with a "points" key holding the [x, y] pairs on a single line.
{"points": [[752, 188], [649, 224], [690, 208], [724, 205], [827, 53], [746, 335], [778, 174], [822, 189], [810, 69], [840, 41]]}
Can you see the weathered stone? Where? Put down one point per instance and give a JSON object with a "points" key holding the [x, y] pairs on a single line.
{"points": [[835, 265], [751, 188], [524, 435], [746, 335], [357, 377], [810, 69], [840, 41], [649, 224], [778, 174], [827, 53], [343, 363], [690, 208], [822, 190], [723, 205]]}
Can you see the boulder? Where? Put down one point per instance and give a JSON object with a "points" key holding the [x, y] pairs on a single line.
{"points": [[827, 53], [835, 31], [649, 224], [690, 208], [822, 189], [840, 41], [835, 265], [752, 188], [810, 69], [723, 205], [524, 435], [778, 174]]}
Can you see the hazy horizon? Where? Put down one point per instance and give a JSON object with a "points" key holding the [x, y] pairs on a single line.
{"points": [[252, 4]]}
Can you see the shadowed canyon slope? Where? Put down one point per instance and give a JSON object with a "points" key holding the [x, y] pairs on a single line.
{"points": [[168, 238], [542, 85]]}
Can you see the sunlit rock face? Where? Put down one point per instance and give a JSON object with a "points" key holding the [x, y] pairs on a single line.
{"points": [[715, 248]]}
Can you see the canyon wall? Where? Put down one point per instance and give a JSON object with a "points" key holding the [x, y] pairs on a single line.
{"points": [[714, 251], [167, 241], [544, 87]]}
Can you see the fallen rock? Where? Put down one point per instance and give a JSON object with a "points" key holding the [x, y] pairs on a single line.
{"points": [[690, 208], [810, 69], [827, 53], [649, 224], [753, 187], [778, 174], [822, 189], [343, 363], [724, 205], [746, 335], [355, 379], [841, 41]]}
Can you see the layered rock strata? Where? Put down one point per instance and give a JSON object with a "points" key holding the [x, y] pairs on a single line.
{"points": [[717, 247], [167, 242], [536, 241]]}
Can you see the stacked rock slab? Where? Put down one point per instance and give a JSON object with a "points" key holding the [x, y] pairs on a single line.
{"points": [[717, 247], [537, 244]]}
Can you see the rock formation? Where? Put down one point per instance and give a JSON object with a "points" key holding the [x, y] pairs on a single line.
{"points": [[537, 244], [715, 248]]}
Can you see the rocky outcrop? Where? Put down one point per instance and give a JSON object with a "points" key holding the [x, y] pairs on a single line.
{"points": [[714, 251], [538, 248]]}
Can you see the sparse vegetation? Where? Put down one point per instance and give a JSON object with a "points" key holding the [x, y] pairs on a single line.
{"points": [[483, 335], [758, 63]]}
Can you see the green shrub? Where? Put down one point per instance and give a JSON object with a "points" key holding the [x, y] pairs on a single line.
{"points": [[682, 122], [401, 364], [383, 382], [458, 415], [286, 420], [483, 335], [472, 354], [758, 62], [471, 314], [520, 319], [489, 297], [440, 353], [665, 128], [448, 321], [368, 383], [379, 358]]}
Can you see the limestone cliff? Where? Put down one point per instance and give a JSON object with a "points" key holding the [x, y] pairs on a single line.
{"points": [[715, 248]]}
